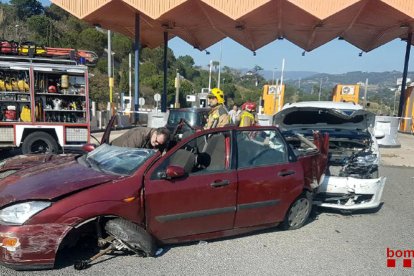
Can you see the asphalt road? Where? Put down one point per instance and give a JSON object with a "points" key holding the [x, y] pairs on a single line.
{"points": [[330, 244]]}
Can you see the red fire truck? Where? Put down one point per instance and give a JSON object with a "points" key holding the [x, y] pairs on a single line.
{"points": [[44, 104]]}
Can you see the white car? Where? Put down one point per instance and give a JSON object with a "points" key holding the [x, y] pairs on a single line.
{"points": [[351, 181]]}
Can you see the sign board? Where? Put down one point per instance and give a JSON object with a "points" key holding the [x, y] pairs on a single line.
{"points": [[141, 101], [191, 98], [275, 89], [157, 97], [205, 90], [348, 90]]}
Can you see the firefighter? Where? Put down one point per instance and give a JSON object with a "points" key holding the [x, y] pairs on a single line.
{"points": [[247, 116], [218, 115]]}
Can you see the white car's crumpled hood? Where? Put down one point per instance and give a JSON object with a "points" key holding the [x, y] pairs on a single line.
{"points": [[294, 118]]}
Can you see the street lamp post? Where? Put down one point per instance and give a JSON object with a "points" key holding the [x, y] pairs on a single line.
{"points": [[219, 69], [209, 77], [273, 76], [111, 71]]}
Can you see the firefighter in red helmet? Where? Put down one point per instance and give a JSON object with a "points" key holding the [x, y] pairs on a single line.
{"points": [[247, 116]]}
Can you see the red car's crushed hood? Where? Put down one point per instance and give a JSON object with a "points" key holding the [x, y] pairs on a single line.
{"points": [[41, 179], [29, 160]]}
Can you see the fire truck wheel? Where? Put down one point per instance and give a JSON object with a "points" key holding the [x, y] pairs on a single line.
{"points": [[39, 142]]}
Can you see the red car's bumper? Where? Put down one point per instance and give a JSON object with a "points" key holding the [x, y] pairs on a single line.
{"points": [[28, 247]]}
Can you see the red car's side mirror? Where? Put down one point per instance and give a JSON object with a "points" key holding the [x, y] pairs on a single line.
{"points": [[88, 147], [174, 172]]}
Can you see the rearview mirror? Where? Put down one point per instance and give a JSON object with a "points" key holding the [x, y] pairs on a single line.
{"points": [[174, 172], [88, 147]]}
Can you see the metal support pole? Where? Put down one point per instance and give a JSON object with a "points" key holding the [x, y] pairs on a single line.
{"points": [[110, 75], [164, 91], [365, 93], [137, 46], [177, 90], [320, 89], [404, 80], [130, 77]]}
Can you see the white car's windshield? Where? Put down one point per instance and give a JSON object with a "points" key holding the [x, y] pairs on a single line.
{"points": [[117, 160]]}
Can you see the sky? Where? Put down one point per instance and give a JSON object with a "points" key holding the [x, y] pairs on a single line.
{"points": [[335, 57]]}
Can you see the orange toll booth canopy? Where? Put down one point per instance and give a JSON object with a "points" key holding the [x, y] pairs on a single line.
{"points": [[367, 24]]}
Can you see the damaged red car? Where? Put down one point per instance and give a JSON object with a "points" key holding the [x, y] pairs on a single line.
{"points": [[212, 184]]}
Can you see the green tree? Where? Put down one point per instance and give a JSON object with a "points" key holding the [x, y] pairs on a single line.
{"points": [[156, 56], [40, 26], [121, 45], [27, 8], [98, 88], [56, 13], [92, 40]]}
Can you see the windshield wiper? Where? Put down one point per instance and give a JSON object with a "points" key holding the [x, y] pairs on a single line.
{"points": [[93, 163]]}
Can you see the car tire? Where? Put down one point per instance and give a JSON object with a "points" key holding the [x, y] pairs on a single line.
{"points": [[135, 237], [39, 142], [298, 212]]}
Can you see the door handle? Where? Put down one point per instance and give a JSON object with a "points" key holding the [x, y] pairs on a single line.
{"points": [[286, 173], [219, 183]]}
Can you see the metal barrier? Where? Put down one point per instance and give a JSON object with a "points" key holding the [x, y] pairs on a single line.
{"points": [[265, 120], [389, 126]]}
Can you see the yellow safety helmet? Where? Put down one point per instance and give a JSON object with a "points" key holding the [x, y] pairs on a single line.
{"points": [[216, 92]]}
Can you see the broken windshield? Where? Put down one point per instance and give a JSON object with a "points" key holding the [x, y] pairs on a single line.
{"points": [[116, 160]]}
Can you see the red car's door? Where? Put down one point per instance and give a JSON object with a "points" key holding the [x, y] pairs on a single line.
{"points": [[268, 182], [201, 202]]}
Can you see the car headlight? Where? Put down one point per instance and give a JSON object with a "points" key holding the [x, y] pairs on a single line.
{"points": [[367, 159], [19, 213]]}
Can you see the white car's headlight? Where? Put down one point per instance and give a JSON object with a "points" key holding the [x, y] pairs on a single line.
{"points": [[367, 159], [19, 213]]}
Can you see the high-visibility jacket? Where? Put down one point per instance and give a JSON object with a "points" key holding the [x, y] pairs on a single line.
{"points": [[246, 119]]}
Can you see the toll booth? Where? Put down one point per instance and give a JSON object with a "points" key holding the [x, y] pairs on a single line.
{"points": [[198, 100], [346, 93], [273, 98], [406, 123]]}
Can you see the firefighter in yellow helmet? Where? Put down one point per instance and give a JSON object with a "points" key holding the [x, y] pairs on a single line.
{"points": [[218, 115], [247, 117]]}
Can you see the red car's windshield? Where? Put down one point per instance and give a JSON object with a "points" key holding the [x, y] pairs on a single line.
{"points": [[116, 160]]}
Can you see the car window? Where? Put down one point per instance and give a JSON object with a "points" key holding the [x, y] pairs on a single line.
{"points": [[260, 148], [205, 154], [116, 160], [202, 118]]}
